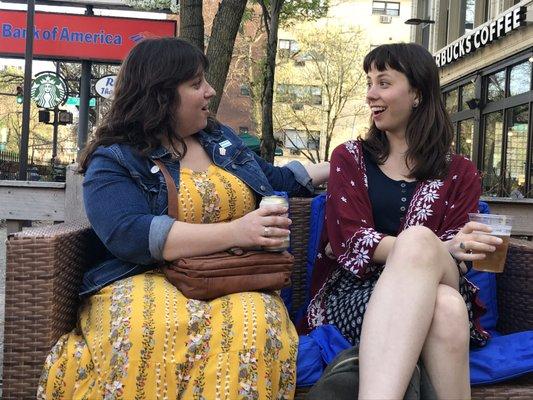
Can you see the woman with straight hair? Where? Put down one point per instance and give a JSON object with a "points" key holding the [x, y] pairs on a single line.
{"points": [[138, 336], [397, 234]]}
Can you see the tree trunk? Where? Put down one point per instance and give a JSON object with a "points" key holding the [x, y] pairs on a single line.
{"points": [[192, 22], [220, 49], [268, 144]]}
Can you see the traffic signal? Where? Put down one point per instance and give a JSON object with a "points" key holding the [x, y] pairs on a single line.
{"points": [[64, 117], [44, 116], [20, 95]]}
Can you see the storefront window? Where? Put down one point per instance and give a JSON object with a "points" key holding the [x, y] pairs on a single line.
{"points": [[492, 153], [515, 171], [466, 136], [467, 93], [520, 78], [451, 101], [496, 87]]}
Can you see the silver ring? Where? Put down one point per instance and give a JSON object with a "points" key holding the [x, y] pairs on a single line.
{"points": [[462, 246], [266, 231]]}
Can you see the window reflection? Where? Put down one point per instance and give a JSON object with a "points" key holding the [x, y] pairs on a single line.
{"points": [[466, 136], [470, 6], [520, 78], [492, 153], [451, 101], [515, 169], [496, 86], [467, 93]]}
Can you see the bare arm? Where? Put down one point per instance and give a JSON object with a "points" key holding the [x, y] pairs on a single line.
{"points": [[319, 173], [187, 240], [383, 249]]}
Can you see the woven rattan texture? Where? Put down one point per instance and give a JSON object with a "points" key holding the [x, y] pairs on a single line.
{"points": [[44, 267], [300, 211], [43, 274], [515, 289]]}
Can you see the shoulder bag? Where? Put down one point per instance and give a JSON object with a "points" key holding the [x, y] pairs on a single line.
{"points": [[218, 274]]}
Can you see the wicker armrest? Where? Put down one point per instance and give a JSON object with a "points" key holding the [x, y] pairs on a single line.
{"points": [[515, 289], [44, 270]]}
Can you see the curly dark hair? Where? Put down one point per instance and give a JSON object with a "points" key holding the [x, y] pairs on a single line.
{"points": [[146, 97], [429, 132]]}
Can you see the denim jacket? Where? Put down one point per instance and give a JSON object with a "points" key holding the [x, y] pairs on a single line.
{"points": [[125, 198]]}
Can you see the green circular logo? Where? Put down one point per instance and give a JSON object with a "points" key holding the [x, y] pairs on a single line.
{"points": [[49, 90]]}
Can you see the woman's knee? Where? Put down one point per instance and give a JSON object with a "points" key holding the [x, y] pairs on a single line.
{"points": [[417, 242], [450, 320]]}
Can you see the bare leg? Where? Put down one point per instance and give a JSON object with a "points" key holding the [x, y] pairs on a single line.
{"points": [[400, 312], [445, 352]]}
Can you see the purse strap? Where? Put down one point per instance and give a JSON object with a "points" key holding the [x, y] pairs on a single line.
{"points": [[172, 190]]}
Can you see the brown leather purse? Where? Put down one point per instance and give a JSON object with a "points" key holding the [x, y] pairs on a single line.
{"points": [[218, 274]]}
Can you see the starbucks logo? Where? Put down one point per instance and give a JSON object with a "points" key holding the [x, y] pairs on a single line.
{"points": [[49, 90]]}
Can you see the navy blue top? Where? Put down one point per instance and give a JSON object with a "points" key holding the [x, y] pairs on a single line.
{"points": [[390, 199]]}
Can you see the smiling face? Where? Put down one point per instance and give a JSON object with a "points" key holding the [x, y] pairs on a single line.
{"points": [[192, 112], [391, 99]]}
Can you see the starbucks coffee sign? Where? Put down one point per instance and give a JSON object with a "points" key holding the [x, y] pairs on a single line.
{"points": [[49, 90], [482, 36]]}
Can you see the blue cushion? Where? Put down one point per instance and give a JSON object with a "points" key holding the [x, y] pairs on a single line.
{"points": [[504, 357], [315, 351], [486, 282]]}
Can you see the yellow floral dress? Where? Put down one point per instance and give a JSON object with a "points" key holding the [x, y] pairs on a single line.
{"points": [[140, 338]]}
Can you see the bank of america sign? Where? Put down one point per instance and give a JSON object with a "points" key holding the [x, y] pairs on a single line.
{"points": [[96, 3]]}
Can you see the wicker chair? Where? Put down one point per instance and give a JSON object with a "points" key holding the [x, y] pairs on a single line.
{"points": [[45, 266]]}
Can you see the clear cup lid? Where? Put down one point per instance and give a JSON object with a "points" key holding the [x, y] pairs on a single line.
{"points": [[491, 219]]}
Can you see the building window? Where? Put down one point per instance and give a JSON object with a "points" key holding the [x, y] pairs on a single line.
{"points": [[470, 12], [467, 93], [516, 160], [245, 89], [496, 86], [385, 8], [451, 100], [244, 130], [301, 140], [287, 48], [301, 94], [466, 137], [520, 78], [492, 153]]}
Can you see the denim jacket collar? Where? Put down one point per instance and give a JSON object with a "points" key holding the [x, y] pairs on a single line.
{"points": [[206, 140]]}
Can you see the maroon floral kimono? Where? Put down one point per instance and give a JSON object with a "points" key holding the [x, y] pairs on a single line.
{"points": [[441, 205]]}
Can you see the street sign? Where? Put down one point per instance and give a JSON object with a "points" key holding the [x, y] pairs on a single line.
{"points": [[75, 101], [105, 86]]}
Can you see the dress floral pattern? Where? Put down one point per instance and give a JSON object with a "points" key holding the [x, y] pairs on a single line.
{"points": [[441, 205], [140, 338]]}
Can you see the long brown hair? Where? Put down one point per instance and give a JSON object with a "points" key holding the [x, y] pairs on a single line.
{"points": [[145, 97], [429, 132]]}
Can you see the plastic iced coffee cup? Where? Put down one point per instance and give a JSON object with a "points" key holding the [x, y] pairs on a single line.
{"points": [[501, 227]]}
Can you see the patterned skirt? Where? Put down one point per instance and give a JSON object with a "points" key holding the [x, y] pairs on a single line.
{"points": [[347, 299], [140, 338]]}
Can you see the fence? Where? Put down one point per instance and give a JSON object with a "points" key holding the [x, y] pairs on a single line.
{"points": [[39, 171]]}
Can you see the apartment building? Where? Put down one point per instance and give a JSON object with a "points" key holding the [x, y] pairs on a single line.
{"points": [[484, 50], [368, 24]]}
